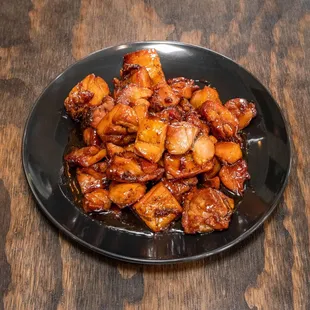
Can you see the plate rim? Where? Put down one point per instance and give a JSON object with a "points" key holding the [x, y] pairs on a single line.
{"points": [[80, 241]]}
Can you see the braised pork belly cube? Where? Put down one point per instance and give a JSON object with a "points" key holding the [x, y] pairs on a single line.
{"points": [[163, 97], [95, 114], [223, 124], [158, 208], [128, 167], [179, 187], [89, 179], [133, 74], [113, 149], [214, 183], [86, 94], [216, 167], [90, 137], [141, 107], [202, 95], [180, 137], [234, 176], [242, 109], [85, 156], [150, 142], [97, 201], [206, 210], [228, 152], [184, 166], [203, 149], [183, 87], [131, 93], [119, 125], [148, 59], [126, 194]]}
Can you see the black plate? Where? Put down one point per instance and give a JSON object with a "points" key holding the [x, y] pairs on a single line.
{"points": [[47, 131]]}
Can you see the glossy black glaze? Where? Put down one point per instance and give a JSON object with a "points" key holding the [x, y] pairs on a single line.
{"points": [[46, 135]]}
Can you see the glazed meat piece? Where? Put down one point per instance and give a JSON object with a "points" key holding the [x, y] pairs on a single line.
{"points": [[131, 93], [141, 107], [243, 110], [201, 96], [87, 93], [183, 87], [163, 97], [228, 152], [148, 59], [89, 179], [126, 194], [134, 74], [184, 166], [170, 114], [234, 176], [180, 187], [128, 167], [150, 142], [193, 117], [216, 167], [118, 125], [90, 137], [180, 137], [223, 124], [206, 210], [96, 201], [214, 182], [113, 149], [100, 167], [158, 208], [203, 150], [95, 114], [85, 156]]}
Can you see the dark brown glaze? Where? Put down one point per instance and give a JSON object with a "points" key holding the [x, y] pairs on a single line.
{"points": [[90, 137], [215, 182], [234, 176]]}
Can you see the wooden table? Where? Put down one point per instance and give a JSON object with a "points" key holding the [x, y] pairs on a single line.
{"points": [[41, 269]]}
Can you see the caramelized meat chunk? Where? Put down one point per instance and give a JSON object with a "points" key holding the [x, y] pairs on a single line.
{"points": [[216, 167], [170, 114], [206, 210], [97, 201], [234, 176], [95, 114], [203, 150], [89, 179], [150, 142], [243, 110], [148, 59], [158, 208], [126, 194], [180, 137], [119, 125], [141, 107], [90, 137], [228, 152], [86, 156], [214, 182], [131, 93], [183, 87], [180, 187], [128, 167], [113, 149], [87, 93], [163, 97], [184, 166], [224, 125], [203, 95], [134, 74]]}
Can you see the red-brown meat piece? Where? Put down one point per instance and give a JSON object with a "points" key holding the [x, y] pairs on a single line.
{"points": [[234, 176], [85, 156], [206, 210]]}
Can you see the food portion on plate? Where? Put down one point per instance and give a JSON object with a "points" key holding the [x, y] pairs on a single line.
{"points": [[166, 149]]}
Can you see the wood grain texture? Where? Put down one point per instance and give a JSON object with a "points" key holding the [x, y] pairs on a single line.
{"points": [[40, 269]]}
